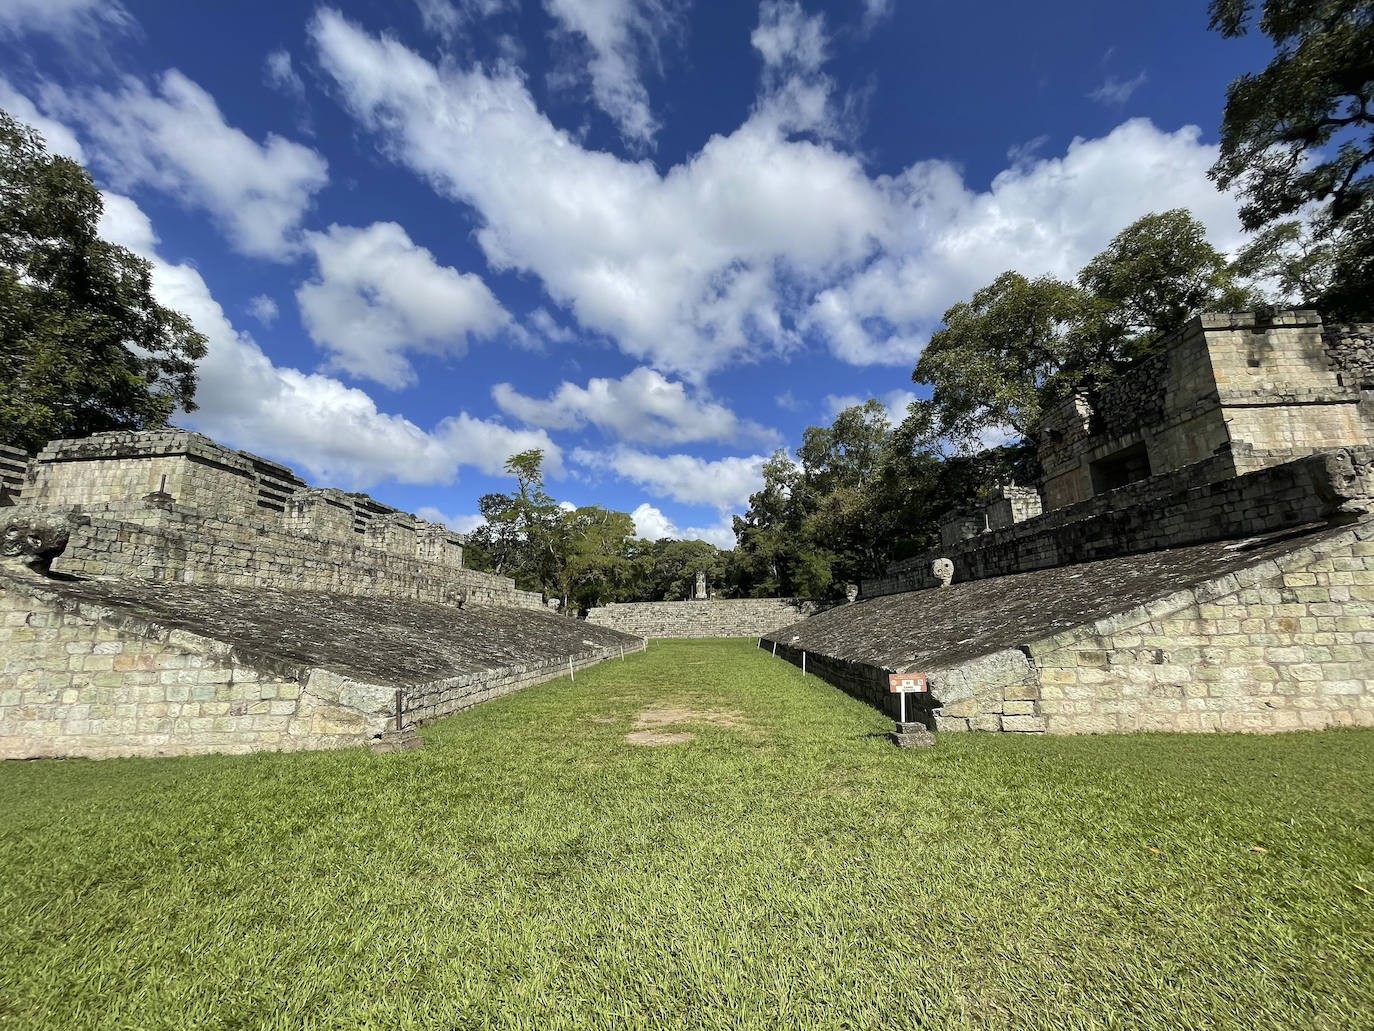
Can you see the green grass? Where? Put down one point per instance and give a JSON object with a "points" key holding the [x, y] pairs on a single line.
{"points": [[530, 869]]}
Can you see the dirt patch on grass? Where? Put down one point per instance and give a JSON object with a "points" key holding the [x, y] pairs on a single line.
{"points": [[650, 723], [649, 738]]}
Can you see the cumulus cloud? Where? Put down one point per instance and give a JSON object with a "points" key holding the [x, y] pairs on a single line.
{"points": [[69, 21], [456, 523], [175, 138], [1115, 92], [894, 403], [59, 139], [642, 406], [377, 296], [652, 524], [682, 270], [764, 241], [875, 12], [724, 483], [281, 75], [264, 309], [615, 34], [332, 431]]}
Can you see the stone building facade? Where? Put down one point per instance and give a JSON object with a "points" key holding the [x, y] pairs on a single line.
{"points": [[161, 594], [1198, 555]]}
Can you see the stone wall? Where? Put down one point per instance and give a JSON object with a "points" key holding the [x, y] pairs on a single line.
{"points": [[1262, 391], [1280, 641], [174, 543], [89, 684], [172, 505], [90, 671], [1183, 507], [13, 464], [729, 617]]}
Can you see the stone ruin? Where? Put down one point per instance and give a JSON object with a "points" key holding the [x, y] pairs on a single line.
{"points": [[161, 594], [1198, 554]]}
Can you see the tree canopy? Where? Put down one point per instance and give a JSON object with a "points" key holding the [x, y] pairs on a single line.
{"points": [[1297, 138], [1019, 343], [84, 347]]}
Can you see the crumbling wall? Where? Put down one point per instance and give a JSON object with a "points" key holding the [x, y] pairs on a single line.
{"points": [[172, 505], [13, 464], [719, 617], [81, 681], [1263, 391], [1184, 507]]}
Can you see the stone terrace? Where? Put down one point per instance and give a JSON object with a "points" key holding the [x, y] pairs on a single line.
{"points": [[1270, 633], [130, 668]]}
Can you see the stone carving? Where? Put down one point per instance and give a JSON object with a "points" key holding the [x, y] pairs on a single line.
{"points": [[31, 539], [700, 594], [851, 593], [943, 569]]}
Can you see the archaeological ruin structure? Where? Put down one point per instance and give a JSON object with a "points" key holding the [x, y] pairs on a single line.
{"points": [[1198, 555], [161, 595]]}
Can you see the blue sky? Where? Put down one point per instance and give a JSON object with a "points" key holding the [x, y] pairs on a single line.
{"points": [[655, 238]]}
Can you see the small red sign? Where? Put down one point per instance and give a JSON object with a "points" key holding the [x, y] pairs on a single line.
{"points": [[903, 683]]}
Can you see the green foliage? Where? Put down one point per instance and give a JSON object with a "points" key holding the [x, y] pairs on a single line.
{"points": [[84, 347], [862, 494], [531, 869], [1020, 344], [1297, 138]]}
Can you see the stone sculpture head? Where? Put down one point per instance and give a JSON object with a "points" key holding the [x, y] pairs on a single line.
{"points": [[851, 593], [943, 569], [30, 539]]}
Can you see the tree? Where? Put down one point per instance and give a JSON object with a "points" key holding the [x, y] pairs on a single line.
{"points": [[516, 525], [1154, 276], [84, 347], [1021, 344], [1297, 138], [988, 363]]}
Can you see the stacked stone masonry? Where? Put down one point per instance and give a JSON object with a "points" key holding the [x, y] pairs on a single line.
{"points": [[1278, 638], [99, 670], [13, 465], [172, 505], [1261, 391], [729, 617]]}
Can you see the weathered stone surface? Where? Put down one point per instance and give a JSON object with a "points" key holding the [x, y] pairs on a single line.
{"points": [[717, 617], [30, 538]]}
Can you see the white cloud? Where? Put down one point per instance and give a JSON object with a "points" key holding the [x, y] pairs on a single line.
{"points": [[333, 432], [788, 401], [377, 296], [176, 140], [652, 524], [279, 73], [788, 35], [894, 402], [642, 406], [1115, 92], [264, 309], [445, 18], [681, 269], [763, 241], [59, 139], [456, 523], [1050, 215], [876, 11], [616, 33], [724, 483], [71, 21]]}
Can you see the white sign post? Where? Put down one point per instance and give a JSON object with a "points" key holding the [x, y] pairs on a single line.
{"points": [[902, 684]]}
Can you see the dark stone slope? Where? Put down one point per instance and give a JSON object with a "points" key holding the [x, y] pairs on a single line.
{"points": [[942, 627], [391, 641]]}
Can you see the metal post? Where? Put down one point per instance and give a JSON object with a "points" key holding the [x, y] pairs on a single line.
{"points": [[803, 663], [570, 670]]}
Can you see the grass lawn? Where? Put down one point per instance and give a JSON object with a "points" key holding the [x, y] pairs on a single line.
{"points": [[786, 867]]}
